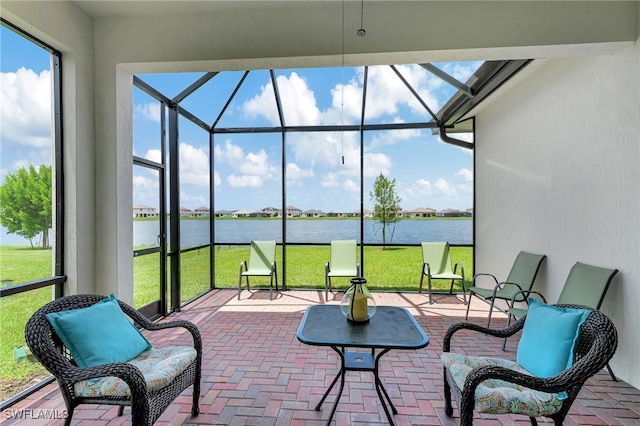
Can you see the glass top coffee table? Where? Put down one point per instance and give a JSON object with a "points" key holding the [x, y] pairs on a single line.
{"points": [[390, 328]]}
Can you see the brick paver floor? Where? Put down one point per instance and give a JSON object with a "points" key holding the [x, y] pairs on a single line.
{"points": [[255, 371]]}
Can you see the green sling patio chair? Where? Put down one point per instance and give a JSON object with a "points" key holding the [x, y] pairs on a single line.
{"points": [[585, 285], [343, 262], [262, 262], [436, 265], [521, 277]]}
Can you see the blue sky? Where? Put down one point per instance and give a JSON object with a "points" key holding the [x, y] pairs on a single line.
{"points": [[247, 173]]}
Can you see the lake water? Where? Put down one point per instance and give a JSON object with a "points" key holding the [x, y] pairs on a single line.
{"points": [[196, 232]]}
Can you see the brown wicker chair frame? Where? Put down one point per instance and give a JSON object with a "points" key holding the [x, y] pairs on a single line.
{"points": [[597, 343], [146, 407]]}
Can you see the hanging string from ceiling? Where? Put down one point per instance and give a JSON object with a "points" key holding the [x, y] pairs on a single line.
{"points": [[361, 32], [342, 89]]}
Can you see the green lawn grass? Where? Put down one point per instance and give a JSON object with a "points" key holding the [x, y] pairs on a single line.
{"points": [[392, 269]]}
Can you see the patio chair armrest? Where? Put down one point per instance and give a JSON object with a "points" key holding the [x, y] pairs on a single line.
{"points": [[504, 284], [189, 326], [327, 268], [482, 274], [523, 295], [243, 264], [485, 274], [504, 332]]}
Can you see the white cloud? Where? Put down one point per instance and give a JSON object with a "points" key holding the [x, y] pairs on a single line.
{"points": [[392, 136], [216, 179], [442, 187], [263, 104], [376, 163], [351, 186], [230, 154], [25, 110], [153, 155], [252, 168], [465, 174], [294, 172], [194, 165], [423, 187], [149, 111], [145, 183], [330, 180], [193, 200], [461, 71], [386, 91], [298, 101], [244, 181]]}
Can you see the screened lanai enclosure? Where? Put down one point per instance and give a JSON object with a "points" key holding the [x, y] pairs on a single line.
{"points": [[292, 156]]}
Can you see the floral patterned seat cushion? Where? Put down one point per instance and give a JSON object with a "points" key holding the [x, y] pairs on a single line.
{"points": [[498, 396], [158, 366]]}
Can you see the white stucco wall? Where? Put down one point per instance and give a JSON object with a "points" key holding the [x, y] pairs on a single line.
{"points": [[558, 172]]}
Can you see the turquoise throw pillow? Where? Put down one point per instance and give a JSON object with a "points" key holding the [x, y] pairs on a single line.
{"points": [[99, 334], [548, 338]]}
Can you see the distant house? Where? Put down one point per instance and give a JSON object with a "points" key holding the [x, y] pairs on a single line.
{"points": [[450, 213], [144, 211], [293, 211], [223, 213], [419, 212], [271, 211], [259, 213], [186, 212], [312, 213], [365, 213], [468, 212], [202, 211], [336, 213], [241, 213]]}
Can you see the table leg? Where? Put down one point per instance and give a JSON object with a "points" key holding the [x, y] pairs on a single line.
{"points": [[380, 389], [340, 375]]}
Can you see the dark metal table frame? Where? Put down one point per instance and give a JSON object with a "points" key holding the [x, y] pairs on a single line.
{"points": [[390, 328]]}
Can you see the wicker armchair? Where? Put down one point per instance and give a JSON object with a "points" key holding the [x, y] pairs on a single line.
{"points": [[596, 345], [146, 405]]}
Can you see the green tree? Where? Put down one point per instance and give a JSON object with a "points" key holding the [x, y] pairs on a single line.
{"points": [[25, 203], [386, 208]]}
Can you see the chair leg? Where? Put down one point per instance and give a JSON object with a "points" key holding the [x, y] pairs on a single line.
{"points": [[464, 291], [67, 421], [327, 287], [466, 317], [195, 405], [120, 410], [534, 422], [448, 408], [490, 312], [430, 297], [421, 280], [504, 342], [613, 376]]}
